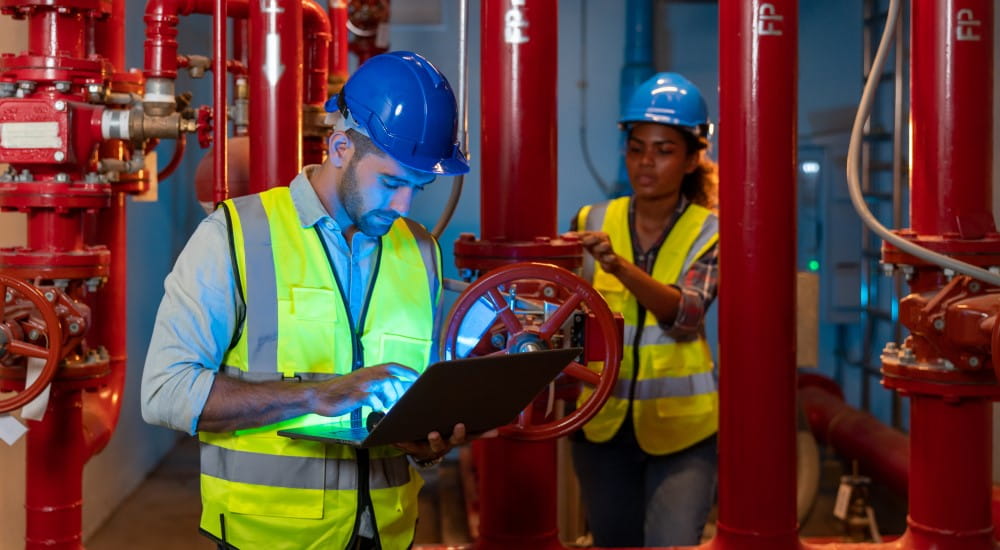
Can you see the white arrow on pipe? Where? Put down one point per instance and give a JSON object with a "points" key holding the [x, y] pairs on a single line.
{"points": [[273, 69]]}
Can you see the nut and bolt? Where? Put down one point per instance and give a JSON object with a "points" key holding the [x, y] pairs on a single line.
{"points": [[890, 347], [974, 286], [948, 273], [59, 105], [33, 335], [498, 340], [973, 362], [50, 295], [62, 86], [907, 356], [62, 177], [938, 324], [548, 292], [73, 328], [59, 156], [888, 269]]}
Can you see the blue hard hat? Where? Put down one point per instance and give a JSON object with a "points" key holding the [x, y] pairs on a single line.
{"points": [[668, 98], [406, 106]]}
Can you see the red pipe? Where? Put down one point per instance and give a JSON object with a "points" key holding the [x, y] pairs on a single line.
{"points": [[240, 47], [339, 36], [56, 453], [56, 34], [316, 27], [162, 17], [758, 97], [109, 36], [950, 503], [103, 407], [518, 165], [52, 231], [276, 92], [517, 492], [220, 190], [952, 114], [880, 450]]}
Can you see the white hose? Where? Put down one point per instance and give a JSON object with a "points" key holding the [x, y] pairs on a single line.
{"points": [[854, 168], [463, 111]]}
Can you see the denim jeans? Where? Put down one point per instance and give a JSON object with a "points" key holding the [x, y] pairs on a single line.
{"points": [[634, 499]]}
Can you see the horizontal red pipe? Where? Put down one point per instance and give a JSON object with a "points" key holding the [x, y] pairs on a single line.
{"points": [[881, 451]]}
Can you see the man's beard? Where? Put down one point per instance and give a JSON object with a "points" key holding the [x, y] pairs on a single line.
{"points": [[349, 192]]}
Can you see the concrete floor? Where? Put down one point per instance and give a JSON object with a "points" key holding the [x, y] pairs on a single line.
{"points": [[163, 513]]}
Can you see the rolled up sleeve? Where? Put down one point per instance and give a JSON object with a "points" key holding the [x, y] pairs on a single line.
{"points": [[698, 290], [194, 327]]}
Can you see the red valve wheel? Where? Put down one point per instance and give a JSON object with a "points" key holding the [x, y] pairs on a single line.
{"points": [[551, 284], [10, 344]]}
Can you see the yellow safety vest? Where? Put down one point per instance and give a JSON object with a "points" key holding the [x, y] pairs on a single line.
{"points": [[274, 492], [674, 395]]}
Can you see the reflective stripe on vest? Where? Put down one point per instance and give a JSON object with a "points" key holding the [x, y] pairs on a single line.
{"points": [[298, 472], [281, 492], [673, 395]]}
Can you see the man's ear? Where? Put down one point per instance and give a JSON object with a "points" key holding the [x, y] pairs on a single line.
{"points": [[339, 147]]}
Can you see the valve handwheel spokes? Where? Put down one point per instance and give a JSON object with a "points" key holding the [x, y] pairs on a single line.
{"points": [[570, 293], [12, 344]]}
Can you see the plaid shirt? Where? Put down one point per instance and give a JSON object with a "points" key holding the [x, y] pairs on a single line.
{"points": [[699, 286]]}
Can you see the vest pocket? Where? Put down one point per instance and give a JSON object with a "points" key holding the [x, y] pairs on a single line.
{"points": [[265, 483], [406, 350]]}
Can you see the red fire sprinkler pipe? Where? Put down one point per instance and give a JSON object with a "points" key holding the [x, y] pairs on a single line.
{"points": [[758, 97], [952, 105], [518, 161], [951, 89], [276, 92], [518, 93], [339, 49], [220, 170], [316, 30]]}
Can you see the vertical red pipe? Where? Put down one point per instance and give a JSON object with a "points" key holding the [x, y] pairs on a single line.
{"points": [[56, 455], [316, 56], [758, 72], [220, 150], [50, 231], [338, 35], [952, 113], [949, 500], [56, 34], [276, 93], [110, 36], [518, 94], [517, 495], [519, 42], [103, 407], [240, 46]]}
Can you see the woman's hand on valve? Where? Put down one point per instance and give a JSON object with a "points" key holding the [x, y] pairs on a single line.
{"points": [[598, 244], [377, 386], [430, 452]]}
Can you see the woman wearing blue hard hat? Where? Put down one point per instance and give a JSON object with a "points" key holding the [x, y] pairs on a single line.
{"points": [[284, 309], [647, 461]]}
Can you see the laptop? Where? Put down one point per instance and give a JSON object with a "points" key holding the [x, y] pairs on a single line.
{"points": [[481, 392]]}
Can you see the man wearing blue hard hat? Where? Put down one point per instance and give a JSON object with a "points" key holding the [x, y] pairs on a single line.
{"points": [[647, 461], [312, 301]]}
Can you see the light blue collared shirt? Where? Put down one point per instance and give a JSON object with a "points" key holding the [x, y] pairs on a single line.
{"points": [[201, 312]]}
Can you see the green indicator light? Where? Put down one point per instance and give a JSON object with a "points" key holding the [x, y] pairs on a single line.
{"points": [[813, 265]]}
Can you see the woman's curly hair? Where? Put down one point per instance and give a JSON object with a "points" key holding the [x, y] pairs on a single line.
{"points": [[702, 185]]}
